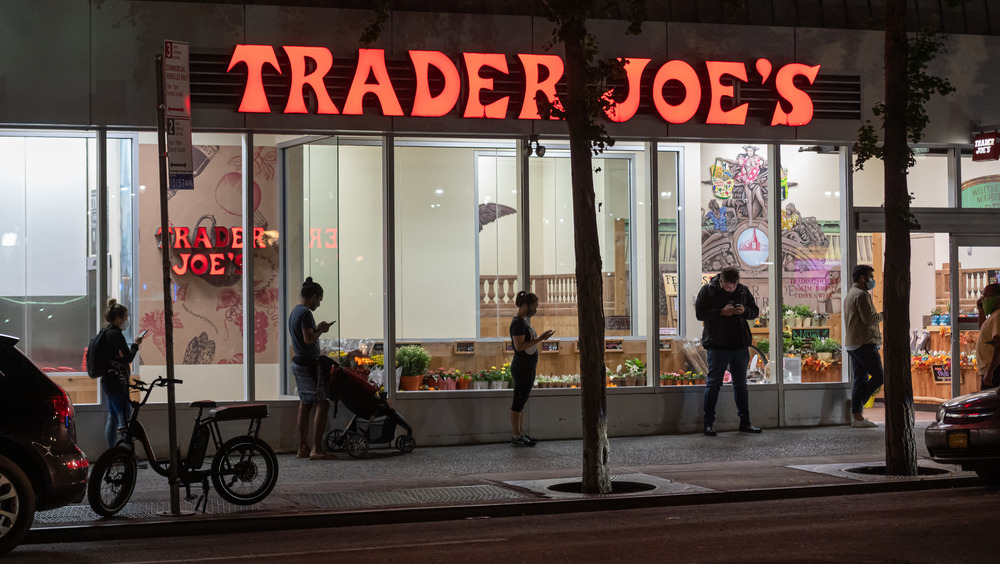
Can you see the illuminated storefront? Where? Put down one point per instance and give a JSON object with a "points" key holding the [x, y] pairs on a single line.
{"points": [[417, 182]]}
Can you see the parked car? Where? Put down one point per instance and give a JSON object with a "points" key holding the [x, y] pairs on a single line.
{"points": [[41, 467], [967, 432]]}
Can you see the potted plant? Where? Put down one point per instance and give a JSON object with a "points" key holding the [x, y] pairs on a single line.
{"points": [[635, 371], [804, 315], [824, 348], [788, 314], [762, 318], [764, 344], [480, 380], [936, 316], [413, 360], [617, 378], [462, 381]]}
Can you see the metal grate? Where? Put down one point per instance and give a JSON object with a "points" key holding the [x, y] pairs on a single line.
{"points": [[422, 496], [135, 510]]}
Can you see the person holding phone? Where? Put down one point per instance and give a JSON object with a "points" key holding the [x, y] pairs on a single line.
{"points": [[725, 306], [522, 367], [305, 333], [115, 355]]}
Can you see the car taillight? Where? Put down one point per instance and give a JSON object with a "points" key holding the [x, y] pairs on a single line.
{"points": [[63, 407], [80, 461]]}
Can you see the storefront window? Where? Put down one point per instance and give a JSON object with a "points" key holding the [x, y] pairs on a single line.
{"points": [[732, 187], [811, 264], [927, 182], [206, 248], [48, 296], [333, 195], [622, 229]]}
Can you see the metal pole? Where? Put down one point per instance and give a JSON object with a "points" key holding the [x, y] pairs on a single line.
{"points": [[775, 278], [652, 298], [168, 309], [389, 263], [249, 244]]}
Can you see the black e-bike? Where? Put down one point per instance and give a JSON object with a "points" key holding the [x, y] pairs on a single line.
{"points": [[244, 469]]}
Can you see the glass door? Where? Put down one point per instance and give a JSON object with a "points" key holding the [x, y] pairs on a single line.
{"points": [[978, 266]]}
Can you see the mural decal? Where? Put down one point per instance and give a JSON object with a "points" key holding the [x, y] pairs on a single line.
{"points": [[735, 228], [208, 311]]}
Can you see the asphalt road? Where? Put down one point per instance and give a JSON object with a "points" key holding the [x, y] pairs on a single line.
{"points": [[950, 526]]}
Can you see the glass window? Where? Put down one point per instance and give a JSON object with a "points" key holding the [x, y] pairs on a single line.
{"points": [[732, 186], [333, 198], [623, 228], [811, 263], [206, 249], [980, 183], [48, 292], [927, 182]]}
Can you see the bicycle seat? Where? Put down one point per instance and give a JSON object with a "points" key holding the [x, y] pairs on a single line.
{"points": [[203, 403], [239, 411]]}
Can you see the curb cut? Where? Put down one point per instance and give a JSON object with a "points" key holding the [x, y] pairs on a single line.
{"points": [[274, 521]]}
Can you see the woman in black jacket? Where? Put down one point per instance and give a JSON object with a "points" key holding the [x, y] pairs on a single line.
{"points": [[116, 355]]}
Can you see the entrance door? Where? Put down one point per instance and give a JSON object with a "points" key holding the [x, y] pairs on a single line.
{"points": [[977, 266]]}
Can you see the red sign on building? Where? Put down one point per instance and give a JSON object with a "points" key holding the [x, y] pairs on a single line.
{"points": [[987, 146]]}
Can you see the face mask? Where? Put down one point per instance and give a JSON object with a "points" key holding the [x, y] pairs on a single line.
{"points": [[871, 283], [990, 304]]}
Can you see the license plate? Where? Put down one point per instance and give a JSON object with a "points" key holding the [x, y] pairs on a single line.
{"points": [[958, 440]]}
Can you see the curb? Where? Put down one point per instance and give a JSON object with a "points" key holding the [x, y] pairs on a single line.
{"points": [[272, 521]]}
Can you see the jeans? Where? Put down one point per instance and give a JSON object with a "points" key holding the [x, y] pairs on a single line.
{"points": [[119, 410], [736, 360], [867, 367]]}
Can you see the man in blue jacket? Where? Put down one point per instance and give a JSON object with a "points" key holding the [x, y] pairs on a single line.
{"points": [[725, 306]]}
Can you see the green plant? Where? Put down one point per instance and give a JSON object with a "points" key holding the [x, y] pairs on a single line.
{"points": [[635, 367], [802, 310], [936, 311], [787, 310], [791, 343], [764, 345], [825, 345], [413, 359]]}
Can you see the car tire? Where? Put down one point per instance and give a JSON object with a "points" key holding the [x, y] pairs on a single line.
{"points": [[990, 475], [17, 505]]}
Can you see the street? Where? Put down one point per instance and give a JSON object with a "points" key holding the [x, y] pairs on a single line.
{"points": [[955, 525]]}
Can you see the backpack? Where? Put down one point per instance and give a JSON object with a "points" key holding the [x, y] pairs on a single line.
{"points": [[96, 363]]}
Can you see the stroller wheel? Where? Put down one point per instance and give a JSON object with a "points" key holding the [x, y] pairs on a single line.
{"points": [[356, 445], [406, 443], [335, 440]]}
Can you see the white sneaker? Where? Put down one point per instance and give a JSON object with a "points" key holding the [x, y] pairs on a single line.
{"points": [[863, 423]]}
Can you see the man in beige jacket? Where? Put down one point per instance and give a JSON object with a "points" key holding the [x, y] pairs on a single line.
{"points": [[862, 341]]}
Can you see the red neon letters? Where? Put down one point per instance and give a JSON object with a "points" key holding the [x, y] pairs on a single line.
{"points": [[371, 76], [227, 240]]}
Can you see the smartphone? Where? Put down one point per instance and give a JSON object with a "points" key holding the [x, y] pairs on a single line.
{"points": [[143, 334]]}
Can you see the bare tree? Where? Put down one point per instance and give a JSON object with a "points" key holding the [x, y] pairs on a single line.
{"points": [[907, 88]]}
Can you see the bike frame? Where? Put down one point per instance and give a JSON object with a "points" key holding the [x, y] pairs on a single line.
{"points": [[186, 474]]}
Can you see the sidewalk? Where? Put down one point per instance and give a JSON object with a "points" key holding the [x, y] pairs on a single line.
{"points": [[454, 482]]}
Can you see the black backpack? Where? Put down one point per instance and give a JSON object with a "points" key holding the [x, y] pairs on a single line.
{"points": [[96, 363]]}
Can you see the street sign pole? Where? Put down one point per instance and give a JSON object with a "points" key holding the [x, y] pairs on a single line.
{"points": [[168, 310]]}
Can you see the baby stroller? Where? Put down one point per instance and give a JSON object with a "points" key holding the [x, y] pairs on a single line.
{"points": [[374, 420]]}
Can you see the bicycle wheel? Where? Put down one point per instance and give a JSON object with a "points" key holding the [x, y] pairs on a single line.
{"points": [[112, 480], [244, 470]]}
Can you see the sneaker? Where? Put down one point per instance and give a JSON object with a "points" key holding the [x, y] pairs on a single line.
{"points": [[529, 439], [521, 441], [863, 424]]}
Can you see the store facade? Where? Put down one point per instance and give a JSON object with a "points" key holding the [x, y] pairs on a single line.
{"points": [[412, 185]]}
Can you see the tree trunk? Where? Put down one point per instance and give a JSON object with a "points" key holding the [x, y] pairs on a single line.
{"points": [[589, 284], [900, 446]]}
